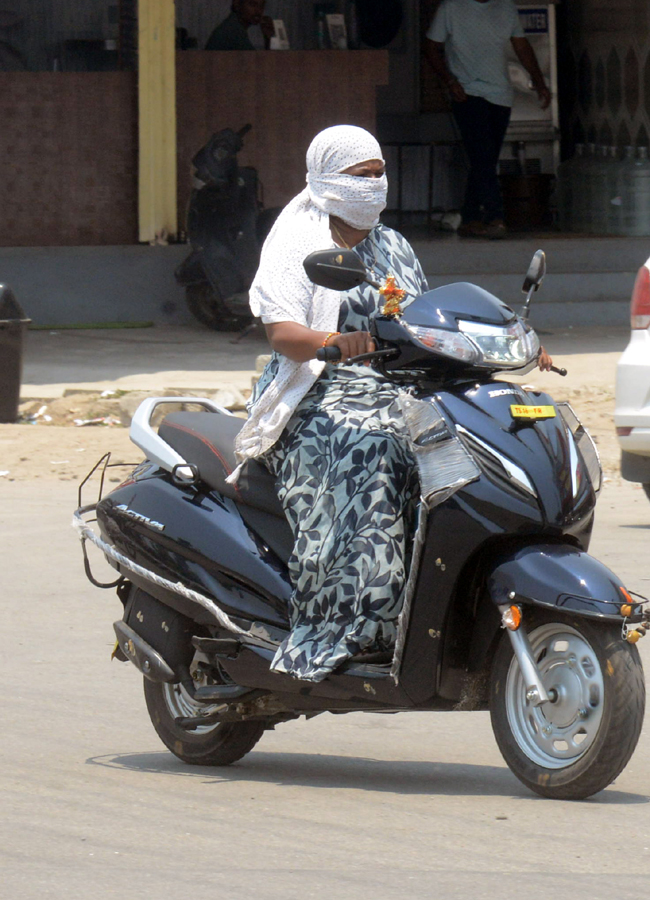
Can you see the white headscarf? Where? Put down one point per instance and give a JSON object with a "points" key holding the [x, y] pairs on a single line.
{"points": [[358, 201], [303, 225], [281, 291]]}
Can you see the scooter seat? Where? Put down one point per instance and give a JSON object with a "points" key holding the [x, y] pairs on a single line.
{"points": [[206, 440]]}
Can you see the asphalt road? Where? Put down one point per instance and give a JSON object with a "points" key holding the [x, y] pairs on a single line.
{"points": [[348, 808]]}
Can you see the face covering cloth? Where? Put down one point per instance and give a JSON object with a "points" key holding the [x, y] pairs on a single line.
{"points": [[356, 200]]}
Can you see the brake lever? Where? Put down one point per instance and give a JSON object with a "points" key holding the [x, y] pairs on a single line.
{"points": [[375, 354], [333, 354]]}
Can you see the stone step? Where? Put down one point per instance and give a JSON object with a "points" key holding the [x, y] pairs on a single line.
{"points": [[60, 286], [563, 300], [449, 254], [589, 279]]}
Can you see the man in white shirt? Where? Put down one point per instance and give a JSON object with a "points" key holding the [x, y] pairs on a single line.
{"points": [[466, 47]]}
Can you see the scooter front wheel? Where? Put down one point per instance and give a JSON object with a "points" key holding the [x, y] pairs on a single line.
{"points": [[576, 745], [207, 305], [208, 745]]}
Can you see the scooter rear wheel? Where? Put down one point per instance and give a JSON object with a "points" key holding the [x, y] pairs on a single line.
{"points": [[576, 746], [207, 305], [208, 745]]}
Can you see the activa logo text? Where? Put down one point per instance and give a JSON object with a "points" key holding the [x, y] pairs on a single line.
{"points": [[138, 517]]}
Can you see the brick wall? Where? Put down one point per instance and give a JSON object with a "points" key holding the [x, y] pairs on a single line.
{"points": [[287, 97], [69, 140], [68, 145]]}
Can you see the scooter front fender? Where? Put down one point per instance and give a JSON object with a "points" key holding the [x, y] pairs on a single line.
{"points": [[561, 577]]}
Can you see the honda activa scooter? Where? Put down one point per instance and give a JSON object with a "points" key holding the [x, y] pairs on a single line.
{"points": [[504, 608], [226, 225]]}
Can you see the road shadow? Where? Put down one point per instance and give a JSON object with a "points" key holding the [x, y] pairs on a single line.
{"points": [[350, 773]]}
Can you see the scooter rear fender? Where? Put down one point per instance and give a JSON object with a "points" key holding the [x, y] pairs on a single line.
{"points": [[559, 576]]}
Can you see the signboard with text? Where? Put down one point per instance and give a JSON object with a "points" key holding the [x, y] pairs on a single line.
{"points": [[534, 20]]}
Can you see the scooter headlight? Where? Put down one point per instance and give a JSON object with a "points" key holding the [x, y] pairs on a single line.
{"points": [[448, 343], [507, 346]]}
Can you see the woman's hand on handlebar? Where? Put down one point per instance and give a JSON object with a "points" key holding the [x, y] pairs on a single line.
{"points": [[300, 343], [352, 343], [544, 361]]}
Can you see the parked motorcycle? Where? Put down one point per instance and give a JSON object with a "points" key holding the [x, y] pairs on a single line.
{"points": [[504, 608], [226, 225]]}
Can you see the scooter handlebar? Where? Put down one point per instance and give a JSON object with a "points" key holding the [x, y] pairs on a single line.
{"points": [[328, 354], [333, 354]]}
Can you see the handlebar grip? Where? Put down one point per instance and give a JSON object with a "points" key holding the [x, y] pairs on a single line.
{"points": [[328, 354], [561, 372]]}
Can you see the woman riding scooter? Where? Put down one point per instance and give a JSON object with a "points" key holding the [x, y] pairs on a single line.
{"points": [[334, 437]]}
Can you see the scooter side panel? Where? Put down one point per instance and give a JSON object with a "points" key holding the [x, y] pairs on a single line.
{"points": [[455, 532], [200, 539]]}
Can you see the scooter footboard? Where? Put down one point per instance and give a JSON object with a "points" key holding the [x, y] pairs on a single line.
{"points": [[561, 577]]}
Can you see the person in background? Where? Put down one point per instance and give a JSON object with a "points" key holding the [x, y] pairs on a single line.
{"points": [[466, 46], [232, 33]]}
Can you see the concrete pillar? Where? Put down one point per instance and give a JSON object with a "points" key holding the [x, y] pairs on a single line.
{"points": [[157, 212]]}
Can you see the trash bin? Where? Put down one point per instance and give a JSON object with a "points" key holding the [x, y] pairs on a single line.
{"points": [[13, 325]]}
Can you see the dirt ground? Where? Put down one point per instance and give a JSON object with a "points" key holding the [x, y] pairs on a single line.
{"points": [[52, 446]]}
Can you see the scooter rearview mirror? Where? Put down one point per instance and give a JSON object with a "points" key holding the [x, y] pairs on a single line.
{"points": [[338, 270], [534, 277], [536, 272]]}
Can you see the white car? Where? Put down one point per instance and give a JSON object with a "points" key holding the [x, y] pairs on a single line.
{"points": [[632, 410]]}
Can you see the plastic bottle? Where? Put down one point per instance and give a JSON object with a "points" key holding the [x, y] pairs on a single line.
{"points": [[599, 191], [615, 176], [587, 214], [627, 199], [640, 178], [568, 188], [562, 195], [321, 32], [352, 25], [575, 175]]}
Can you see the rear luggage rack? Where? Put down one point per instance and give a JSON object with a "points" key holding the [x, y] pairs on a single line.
{"points": [[159, 453], [152, 445]]}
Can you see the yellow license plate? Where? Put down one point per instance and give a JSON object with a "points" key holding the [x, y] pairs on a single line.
{"points": [[532, 412]]}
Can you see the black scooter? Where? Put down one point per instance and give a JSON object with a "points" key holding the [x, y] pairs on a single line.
{"points": [[504, 608], [226, 225]]}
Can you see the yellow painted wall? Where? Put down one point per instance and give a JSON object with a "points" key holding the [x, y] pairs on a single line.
{"points": [[157, 119]]}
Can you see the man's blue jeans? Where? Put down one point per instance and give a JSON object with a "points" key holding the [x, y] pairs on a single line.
{"points": [[482, 127]]}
